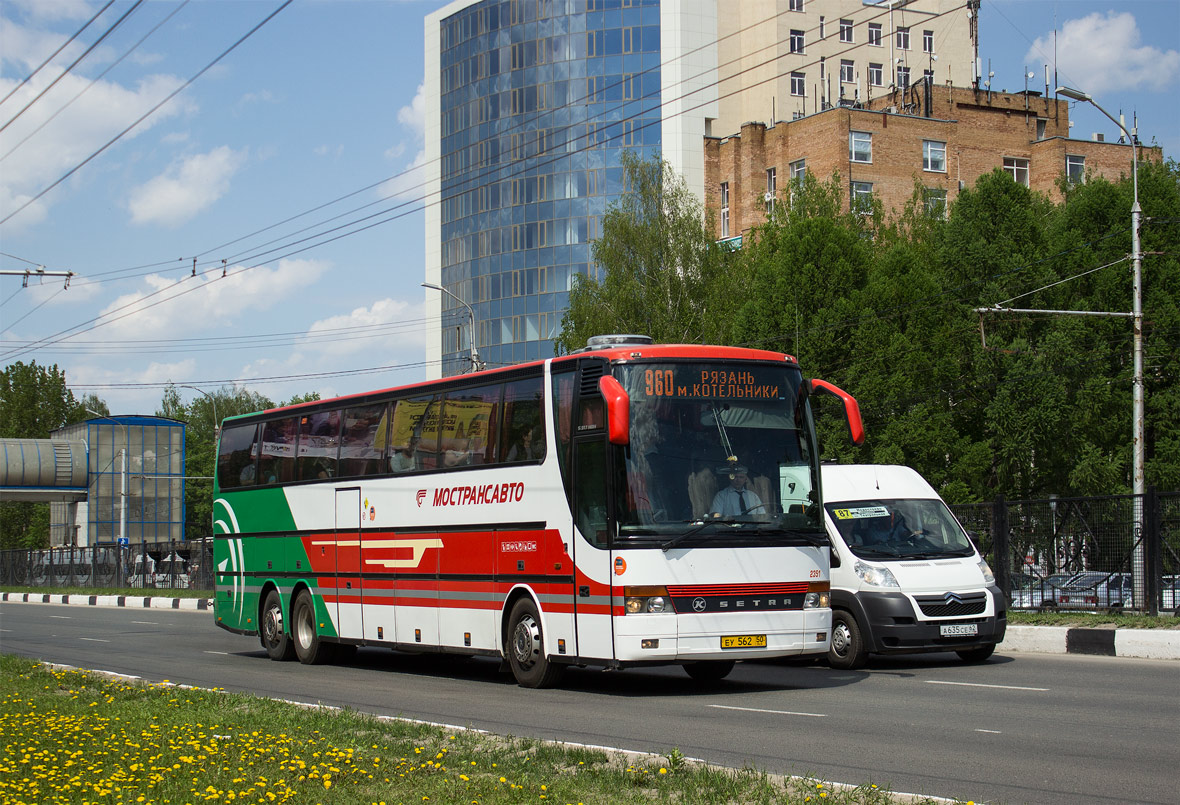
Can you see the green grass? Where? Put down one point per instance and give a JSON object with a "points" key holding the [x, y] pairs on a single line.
{"points": [[1098, 620], [75, 737]]}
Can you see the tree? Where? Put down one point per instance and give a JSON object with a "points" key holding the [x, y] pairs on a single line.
{"points": [[34, 401], [661, 267], [200, 457]]}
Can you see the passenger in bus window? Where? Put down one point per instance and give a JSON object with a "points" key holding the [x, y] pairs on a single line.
{"points": [[529, 445], [403, 459], [458, 457]]}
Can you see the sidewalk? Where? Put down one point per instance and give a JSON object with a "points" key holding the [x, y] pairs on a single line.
{"points": [[1156, 644]]}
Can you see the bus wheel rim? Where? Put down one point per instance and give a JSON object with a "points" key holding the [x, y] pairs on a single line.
{"points": [[273, 624], [526, 641]]}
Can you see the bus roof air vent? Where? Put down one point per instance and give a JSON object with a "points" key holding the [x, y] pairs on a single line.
{"points": [[612, 341]]}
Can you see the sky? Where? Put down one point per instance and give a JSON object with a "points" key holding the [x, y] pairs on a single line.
{"points": [[279, 164]]}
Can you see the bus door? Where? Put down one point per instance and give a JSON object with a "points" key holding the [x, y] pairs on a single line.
{"points": [[590, 545], [348, 609]]}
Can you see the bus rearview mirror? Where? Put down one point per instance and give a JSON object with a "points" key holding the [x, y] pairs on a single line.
{"points": [[618, 410]]}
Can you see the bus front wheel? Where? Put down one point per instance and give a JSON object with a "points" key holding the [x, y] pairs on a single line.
{"points": [[308, 646], [526, 648], [271, 632]]}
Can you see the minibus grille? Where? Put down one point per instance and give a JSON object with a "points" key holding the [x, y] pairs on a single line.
{"points": [[952, 605]]}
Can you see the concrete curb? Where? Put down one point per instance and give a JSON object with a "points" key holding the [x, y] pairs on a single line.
{"points": [[1156, 644], [132, 601]]}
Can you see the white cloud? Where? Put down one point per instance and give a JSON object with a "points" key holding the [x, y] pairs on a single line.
{"points": [[162, 309], [367, 330], [53, 10], [32, 158], [1101, 53], [189, 186], [413, 116]]}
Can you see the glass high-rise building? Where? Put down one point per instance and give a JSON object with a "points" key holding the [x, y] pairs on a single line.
{"points": [[530, 105]]}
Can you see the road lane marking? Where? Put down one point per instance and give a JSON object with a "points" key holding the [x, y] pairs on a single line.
{"points": [[61, 617], [990, 732], [773, 712], [94, 639], [222, 653], [145, 623], [981, 685]]}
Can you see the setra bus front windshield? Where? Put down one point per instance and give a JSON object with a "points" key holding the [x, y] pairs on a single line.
{"points": [[717, 451]]}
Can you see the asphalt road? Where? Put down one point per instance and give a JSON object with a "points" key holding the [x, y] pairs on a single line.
{"points": [[1019, 728]]}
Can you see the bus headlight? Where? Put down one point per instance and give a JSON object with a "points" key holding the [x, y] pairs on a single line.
{"points": [[816, 601], [649, 600], [875, 576]]}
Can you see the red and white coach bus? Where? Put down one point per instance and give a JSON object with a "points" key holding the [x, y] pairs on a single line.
{"points": [[571, 511]]}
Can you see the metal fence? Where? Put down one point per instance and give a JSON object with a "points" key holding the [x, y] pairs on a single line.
{"points": [[149, 565], [1117, 552], [1095, 553]]}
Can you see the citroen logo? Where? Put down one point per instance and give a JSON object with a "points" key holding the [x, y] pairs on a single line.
{"points": [[699, 604], [953, 598]]}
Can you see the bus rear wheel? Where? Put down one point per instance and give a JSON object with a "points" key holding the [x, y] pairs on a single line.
{"points": [[308, 647], [526, 648], [271, 632]]}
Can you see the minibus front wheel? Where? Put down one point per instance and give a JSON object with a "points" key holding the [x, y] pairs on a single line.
{"points": [[847, 650]]}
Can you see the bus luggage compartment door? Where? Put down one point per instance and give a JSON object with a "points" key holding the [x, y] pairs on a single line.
{"points": [[348, 609]]}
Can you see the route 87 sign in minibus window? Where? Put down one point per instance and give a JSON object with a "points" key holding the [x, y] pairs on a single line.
{"points": [[726, 449]]}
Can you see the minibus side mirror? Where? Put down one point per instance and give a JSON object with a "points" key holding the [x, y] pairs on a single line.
{"points": [[618, 410]]}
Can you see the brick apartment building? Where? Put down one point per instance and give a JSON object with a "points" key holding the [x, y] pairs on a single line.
{"points": [[945, 137]]}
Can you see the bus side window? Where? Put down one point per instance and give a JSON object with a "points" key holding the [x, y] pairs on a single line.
{"points": [[471, 419], [362, 442], [522, 437], [417, 421], [236, 456], [563, 417], [276, 464], [319, 440]]}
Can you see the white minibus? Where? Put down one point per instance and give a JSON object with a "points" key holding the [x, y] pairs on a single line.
{"points": [[905, 575]]}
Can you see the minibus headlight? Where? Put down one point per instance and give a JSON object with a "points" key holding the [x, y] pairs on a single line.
{"points": [[650, 600], [988, 576], [875, 576]]}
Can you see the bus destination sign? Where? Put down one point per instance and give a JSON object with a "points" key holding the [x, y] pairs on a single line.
{"points": [[711, 384]]}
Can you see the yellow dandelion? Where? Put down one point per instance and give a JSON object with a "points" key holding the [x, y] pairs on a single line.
{"points": [[663, 770]]}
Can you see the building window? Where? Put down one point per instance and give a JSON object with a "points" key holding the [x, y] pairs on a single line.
{"points": [[1018, 169], [1075, 168], [821, 28], [875, 34], [798, 170], [876, 75], [903, 38], [1042, 123], [795, 5], [935, 201], [847, 72], [725, 209], [845, 30], [771, 189], [796, 41], [860, 146], [798, 86], [927, 41], [862, 198], [928, 75], [933, 156], [903, 77]]}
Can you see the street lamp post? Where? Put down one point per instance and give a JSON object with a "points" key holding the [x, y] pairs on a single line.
{"points": [[213, 402], [1138, 433], [476, 365]]}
